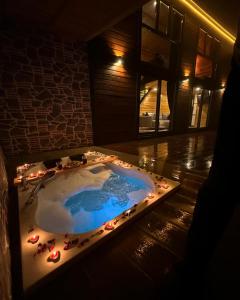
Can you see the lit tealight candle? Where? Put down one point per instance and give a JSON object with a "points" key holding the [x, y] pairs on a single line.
{"points": [[40, 173], [32, 175], [150, 195], [109, 226], [128, 212], [20, 178], [54, 257], [33, 239], [164, 185]]}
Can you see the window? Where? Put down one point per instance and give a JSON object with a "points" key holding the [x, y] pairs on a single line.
{"points": [[164, 117], [200, 108], [201, 41], [163, 17], [155, 105], [177, 25], [204, 67], [208, 49], [155, 49], [206, 44], [205, 107], [148, 106], [149, 14]]}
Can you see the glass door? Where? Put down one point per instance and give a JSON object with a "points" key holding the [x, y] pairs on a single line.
{"points": [[154, 110], [148, 106], [164, 109], [200, 108]]}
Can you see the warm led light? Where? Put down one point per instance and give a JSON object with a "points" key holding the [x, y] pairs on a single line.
{"points": [[119, 62], [155, 89], [199, 12], [198, 89]]}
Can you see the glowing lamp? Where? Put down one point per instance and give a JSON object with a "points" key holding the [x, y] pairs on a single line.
{"points": [[119, 61], [33, 239], [54, 257]]}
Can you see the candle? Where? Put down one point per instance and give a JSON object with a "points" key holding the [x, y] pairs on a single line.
{"points": [[164, 185], [150, 195], [54, 256], [33, 239], [20, 178], [32, 175], [40, 173], [109, 226], [128, 212]]}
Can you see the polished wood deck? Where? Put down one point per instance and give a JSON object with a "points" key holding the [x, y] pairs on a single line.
{"points": [[135, 262]]}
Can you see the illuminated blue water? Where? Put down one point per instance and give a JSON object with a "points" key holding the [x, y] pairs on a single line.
{"points": [[90, 209]]}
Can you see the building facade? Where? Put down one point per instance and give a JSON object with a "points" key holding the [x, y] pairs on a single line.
{"points": [[160, 71]]}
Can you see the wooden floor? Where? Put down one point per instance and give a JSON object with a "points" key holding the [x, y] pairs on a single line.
{"points": [[136, 261]]}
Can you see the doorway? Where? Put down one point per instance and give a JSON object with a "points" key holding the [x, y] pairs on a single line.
{"points": [[154, 108], [200, 108]]}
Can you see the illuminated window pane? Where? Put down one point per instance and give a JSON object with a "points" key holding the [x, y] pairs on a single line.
{"points": [[164, 116], [195, 108], [149, 14], [204, 67], [148, 104], [200, 108], [205, 108], [163, 17]]}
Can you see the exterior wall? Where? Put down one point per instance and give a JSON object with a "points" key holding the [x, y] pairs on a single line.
{"points": [[5, 269], [44, 93], [187, 64], [114, 87], [188, 56]]}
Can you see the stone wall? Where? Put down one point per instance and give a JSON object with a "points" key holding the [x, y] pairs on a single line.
{"points": [[5, 273], [44, 93]]}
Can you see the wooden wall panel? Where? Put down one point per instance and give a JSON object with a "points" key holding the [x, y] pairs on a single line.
{"points": [[113, 86]]}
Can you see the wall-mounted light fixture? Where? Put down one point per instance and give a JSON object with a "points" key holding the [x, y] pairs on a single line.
{"points": [[185, 80], [119, 61], [210, 21]]}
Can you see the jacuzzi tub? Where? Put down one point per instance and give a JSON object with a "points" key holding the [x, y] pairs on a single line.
{"points": [[82, 200], [79, 207]]}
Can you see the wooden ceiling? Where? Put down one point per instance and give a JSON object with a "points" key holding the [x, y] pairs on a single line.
{"points": [[71, 19]]}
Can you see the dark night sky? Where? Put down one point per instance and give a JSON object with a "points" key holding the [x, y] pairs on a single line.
{"points": [[227, 12]]}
